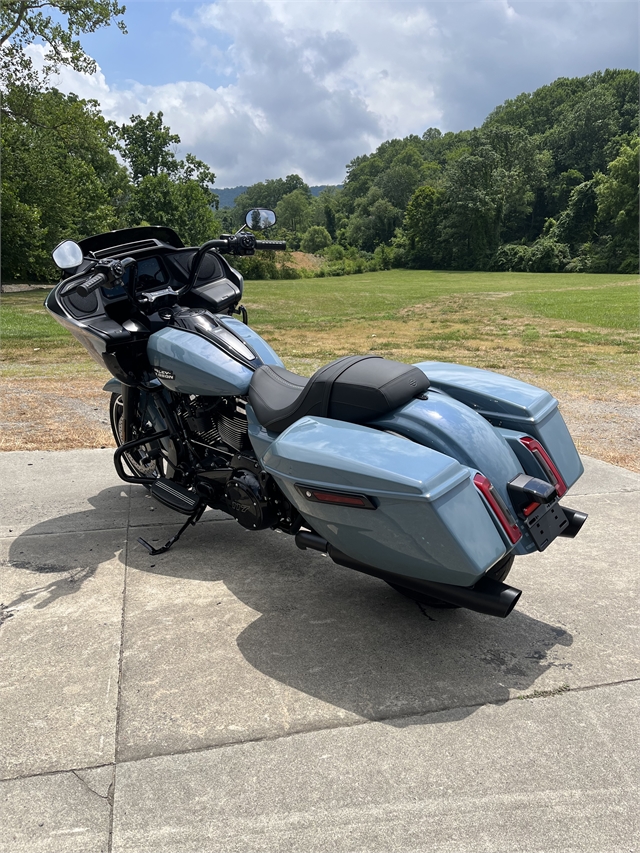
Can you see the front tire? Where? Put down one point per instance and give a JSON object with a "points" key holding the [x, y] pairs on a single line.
{"points": [[498, 572], [137, 459]]}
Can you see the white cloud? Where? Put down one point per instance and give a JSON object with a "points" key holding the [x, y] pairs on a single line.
{"points": [[315, 83]]}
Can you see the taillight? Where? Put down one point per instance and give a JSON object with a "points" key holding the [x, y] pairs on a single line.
{"points": [[500, 509], [546, 463], [530, 508]]}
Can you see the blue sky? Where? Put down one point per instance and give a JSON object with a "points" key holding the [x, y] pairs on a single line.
{"points": [[264, 88]]}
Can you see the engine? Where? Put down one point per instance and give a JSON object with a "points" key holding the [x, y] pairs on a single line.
{"points": [[218, 422], [231, 478], [247, 502]]}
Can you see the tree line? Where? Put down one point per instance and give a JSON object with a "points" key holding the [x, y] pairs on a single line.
{"points": [[549, 182]]}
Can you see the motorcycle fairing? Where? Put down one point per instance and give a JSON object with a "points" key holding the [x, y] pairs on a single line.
{"points": [[430, 521]]}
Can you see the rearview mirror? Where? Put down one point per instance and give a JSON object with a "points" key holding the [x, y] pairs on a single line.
{"points": [[67, 255], [260, 218]]}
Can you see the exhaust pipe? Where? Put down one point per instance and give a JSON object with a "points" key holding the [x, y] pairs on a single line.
{"points": [[487, 596], [576, 519]]}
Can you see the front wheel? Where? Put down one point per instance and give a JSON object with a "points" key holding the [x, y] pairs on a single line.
{"points": [[143, 460], [498, 572]]}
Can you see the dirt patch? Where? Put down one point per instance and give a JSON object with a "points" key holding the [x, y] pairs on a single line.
{"points": [[592, 371], [43, 414], [608, 429], [49, 414], [303, 261], [19, 288]]}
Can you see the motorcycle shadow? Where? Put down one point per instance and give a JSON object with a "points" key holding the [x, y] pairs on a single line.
{"points": [[330, 633]]}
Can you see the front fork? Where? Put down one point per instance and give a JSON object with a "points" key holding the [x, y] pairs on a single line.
{"points": [[130, 398], [136, 412]]}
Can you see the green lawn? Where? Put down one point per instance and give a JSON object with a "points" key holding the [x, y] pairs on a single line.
{"points": [[605, 300], [448, 304], [575, 335]]}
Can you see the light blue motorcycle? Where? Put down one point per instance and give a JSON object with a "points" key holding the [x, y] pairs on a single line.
{"points": [[432, 477]]}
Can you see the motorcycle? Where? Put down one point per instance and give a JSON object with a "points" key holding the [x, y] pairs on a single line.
{"points": [[432, 477]]}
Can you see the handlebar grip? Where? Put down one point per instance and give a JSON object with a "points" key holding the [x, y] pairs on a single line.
{"points": [[91, 284], [271, 245]]}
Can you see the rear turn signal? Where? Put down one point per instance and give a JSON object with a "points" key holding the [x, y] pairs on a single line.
{"points": [[336, 498], [507, 521], [546, 463]]}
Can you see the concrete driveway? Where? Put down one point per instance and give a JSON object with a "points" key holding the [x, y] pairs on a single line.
{"points": [[237, 694]]}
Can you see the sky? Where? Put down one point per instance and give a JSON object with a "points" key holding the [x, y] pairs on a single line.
{"points": [[264, 88]]}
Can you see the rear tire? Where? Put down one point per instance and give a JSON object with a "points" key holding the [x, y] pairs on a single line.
{"points": [[498, 572], [135, 459]]}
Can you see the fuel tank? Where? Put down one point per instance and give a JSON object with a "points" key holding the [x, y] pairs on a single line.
{"points": [[208, 355]]}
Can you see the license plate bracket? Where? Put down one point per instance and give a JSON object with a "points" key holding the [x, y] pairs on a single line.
{"points": [[546, 523]]}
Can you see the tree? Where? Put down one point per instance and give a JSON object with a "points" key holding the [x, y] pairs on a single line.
{"points": [[292, 210], [315, 239], [181, 204], [166, 186], [59, 179], [421, 240], [146, 146], [576, 224], [25, 21], [617, 199], [256, 220], [398, 184], [374, 221], [268, 194], [617, 192]]}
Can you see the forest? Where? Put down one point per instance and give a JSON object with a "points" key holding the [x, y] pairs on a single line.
{"points": [[548, 183]]}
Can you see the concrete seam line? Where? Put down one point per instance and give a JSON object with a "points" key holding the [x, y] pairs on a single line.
{"points": [[111, 794], [355, 724], [44, 774], [125, 528]]}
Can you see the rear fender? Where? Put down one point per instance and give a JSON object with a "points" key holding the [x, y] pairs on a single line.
{"points": [[454, 429], [510, 404], [450, 427]]}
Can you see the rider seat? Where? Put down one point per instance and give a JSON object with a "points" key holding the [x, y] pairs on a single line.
{"points": [[356, 389]]}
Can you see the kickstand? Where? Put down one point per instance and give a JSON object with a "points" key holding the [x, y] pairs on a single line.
{"points": [[192, 520]]}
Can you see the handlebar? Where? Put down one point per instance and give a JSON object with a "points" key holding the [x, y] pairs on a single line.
{"points": [[229, 244], [241, 244], [91, 284], [271, 245], [110, 275], [217, 244]]}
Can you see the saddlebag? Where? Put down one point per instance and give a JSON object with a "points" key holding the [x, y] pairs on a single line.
{"points": [[385, 501]]}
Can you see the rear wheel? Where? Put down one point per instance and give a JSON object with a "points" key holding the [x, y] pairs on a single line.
{"points": [[498, 572], [141, 459]]}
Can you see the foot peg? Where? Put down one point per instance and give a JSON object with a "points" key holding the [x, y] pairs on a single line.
{"points": [[175, 496]]}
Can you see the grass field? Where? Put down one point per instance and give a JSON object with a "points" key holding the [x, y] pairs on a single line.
{"points": [[576, 335]]}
